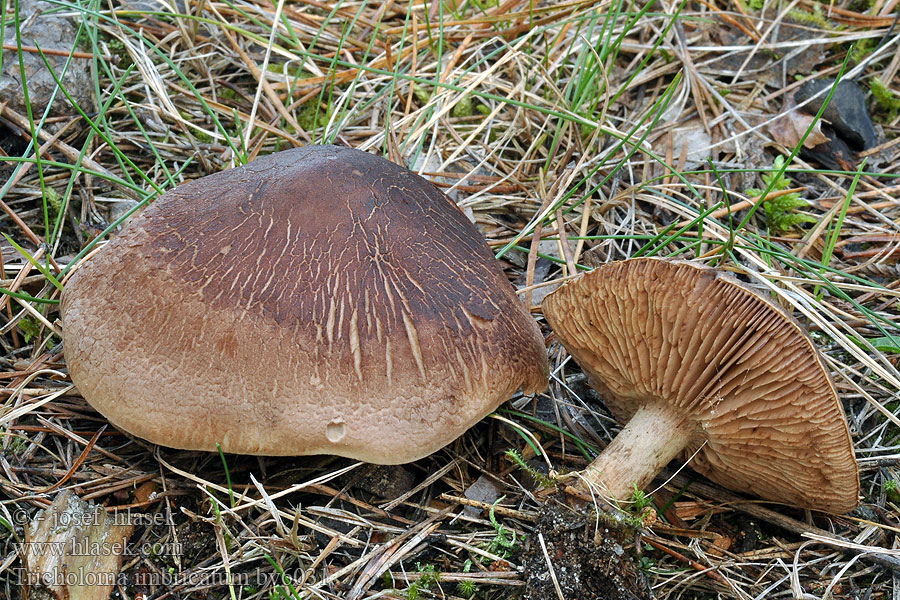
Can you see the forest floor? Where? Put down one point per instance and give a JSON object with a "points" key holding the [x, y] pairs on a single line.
{"points": [[573, 133]]}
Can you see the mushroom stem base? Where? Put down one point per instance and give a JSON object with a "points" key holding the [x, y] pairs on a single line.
{"points": [[652, 438]]}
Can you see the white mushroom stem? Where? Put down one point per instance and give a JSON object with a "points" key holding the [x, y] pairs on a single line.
{"points": [[653, 437]]}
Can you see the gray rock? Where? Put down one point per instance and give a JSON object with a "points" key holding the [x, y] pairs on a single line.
{"points": [[482, 489], [119, 207], [846, 111], [698, 145], [41, 25]]}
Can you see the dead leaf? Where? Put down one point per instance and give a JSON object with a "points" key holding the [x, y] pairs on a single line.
{"points": [[143, 493], [719, 543], [790, 127], [73, 550]]}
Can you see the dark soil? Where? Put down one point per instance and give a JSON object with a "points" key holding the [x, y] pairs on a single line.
{"points": [[589, 561]]}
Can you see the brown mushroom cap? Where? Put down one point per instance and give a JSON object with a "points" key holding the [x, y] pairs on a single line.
{"points": [[320, 300], [696, 361]]}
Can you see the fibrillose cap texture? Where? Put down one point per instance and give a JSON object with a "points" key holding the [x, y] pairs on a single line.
{"points": [[766, 417], [319, 300]]}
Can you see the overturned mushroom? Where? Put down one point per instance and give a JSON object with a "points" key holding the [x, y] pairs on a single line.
{"points": [[700, 365], [320, 300]]}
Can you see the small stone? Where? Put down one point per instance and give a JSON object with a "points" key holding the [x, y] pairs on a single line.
{"points": [[40, 26], [386, 481], [482, 490], [120, 207], [846, 111], [694, 142]]}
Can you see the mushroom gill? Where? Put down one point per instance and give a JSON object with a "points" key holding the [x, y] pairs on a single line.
{"points": [[698, 364]]}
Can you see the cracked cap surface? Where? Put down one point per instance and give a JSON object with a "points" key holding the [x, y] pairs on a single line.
{"points": [[765, 414], [319, 300]]}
